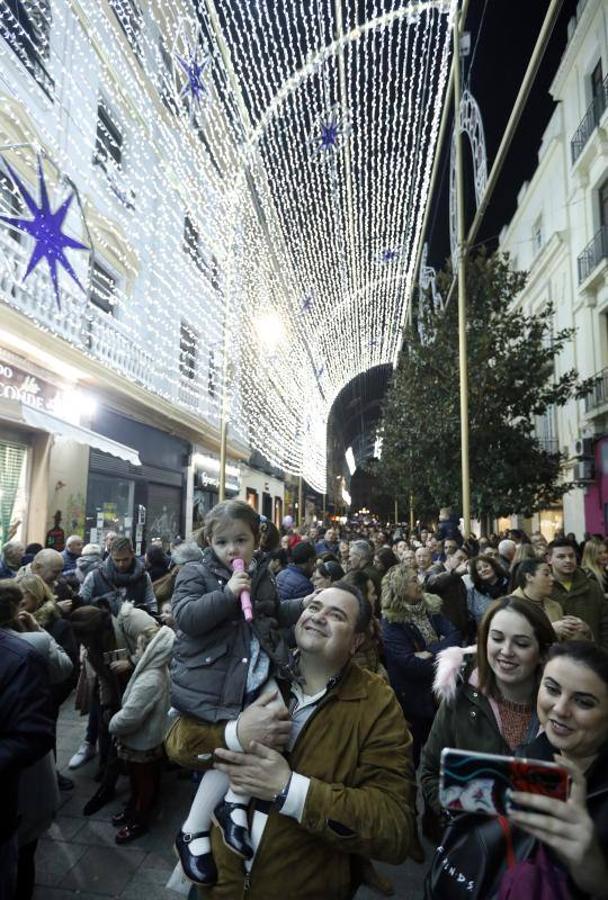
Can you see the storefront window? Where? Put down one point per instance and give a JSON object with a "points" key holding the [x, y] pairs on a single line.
{"points": [[202, 503], [164, 514], [109, 507], [13, 474]]}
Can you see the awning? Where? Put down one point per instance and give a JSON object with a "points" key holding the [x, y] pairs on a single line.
{"points": [[22, 414]]}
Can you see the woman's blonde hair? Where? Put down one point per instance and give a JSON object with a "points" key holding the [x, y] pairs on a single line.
{"points": [[590, 559], [394, 585], [36, 588]]}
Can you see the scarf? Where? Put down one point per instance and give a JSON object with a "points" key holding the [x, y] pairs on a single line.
{"points": [[122, 579], [419, 616]]}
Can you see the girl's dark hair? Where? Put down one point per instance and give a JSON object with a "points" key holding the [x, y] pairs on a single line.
{"points": [[584, 652], [270, 537], [490, 561], [10, 600], [330, 569], [541, 626], [234, 510], [527, 567]]}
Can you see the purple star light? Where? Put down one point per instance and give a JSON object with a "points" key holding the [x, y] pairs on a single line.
{"points": [[46, 230], [194, 70]]}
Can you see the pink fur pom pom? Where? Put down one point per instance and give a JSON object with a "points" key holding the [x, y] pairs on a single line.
{"points": [[447, 668]]}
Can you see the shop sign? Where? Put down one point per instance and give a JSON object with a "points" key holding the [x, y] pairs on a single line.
{"points": [[208, 474], [15, 384]]}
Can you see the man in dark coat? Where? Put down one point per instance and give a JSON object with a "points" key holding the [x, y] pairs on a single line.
{"points": [[121, 577], [26, 735], [294, 581]]}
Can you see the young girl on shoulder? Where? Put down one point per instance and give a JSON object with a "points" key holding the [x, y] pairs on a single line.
{"points": [[221, 664]]}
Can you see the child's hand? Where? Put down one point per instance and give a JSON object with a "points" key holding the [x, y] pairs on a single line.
{"points": [[239, 582]]}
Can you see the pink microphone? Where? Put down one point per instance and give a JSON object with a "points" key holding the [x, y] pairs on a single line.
{"points": [[239, 566]]}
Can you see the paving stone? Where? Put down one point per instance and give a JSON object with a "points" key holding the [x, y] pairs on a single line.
{"points": [[95, 833], [103, 870], [51, 893], [54, 859], [65, 827]]}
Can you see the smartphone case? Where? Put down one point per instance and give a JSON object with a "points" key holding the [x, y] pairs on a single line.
{"points": [[483, 782]]}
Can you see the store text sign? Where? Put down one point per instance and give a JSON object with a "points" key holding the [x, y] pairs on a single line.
{"points": [[15, 384]]}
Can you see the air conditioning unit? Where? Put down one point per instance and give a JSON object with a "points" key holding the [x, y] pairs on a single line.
{"points": [[583, 448], [583, 471]]}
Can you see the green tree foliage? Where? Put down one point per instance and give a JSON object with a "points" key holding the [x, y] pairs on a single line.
{"points": [[512, 380]]}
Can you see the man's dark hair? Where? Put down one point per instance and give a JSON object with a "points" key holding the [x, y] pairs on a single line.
{"points": [[364, 616], [560, 542], [121, 543], [302, 553]]}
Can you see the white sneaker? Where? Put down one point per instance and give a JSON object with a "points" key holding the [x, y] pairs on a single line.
{"points": [[84, 753]]}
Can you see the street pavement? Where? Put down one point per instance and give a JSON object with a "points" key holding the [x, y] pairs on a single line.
{"points": [[78, 859]]}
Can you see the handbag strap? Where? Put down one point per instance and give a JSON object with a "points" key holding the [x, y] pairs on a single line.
{"points": [[506, 830]]}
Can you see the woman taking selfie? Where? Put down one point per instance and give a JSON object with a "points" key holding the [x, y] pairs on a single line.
{"points": [[545, 847], [488, 693]]}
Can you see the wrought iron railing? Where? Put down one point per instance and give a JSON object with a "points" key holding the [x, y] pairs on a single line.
{"points": [[599, 394], [595, 251], [590, 121]]}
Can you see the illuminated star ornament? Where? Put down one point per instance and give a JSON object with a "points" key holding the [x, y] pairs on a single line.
{"points": [[194, 69], [329, 134], [389, 255], [307, 302], [46, 230]]}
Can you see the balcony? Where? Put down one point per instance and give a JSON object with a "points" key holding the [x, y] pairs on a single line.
{"points": [[594, 253], [589, 122], [599, 395], [17, 30], [110, 341]]}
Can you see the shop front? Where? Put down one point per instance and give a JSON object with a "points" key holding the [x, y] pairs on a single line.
{"points": [[206, 475], [44, 453], [145, 502], [596, 495]]}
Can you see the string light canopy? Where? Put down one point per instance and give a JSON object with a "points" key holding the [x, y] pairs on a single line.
{"points": [[288, 147]]}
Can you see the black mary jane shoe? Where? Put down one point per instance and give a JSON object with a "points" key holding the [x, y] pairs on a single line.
{"points": [[200, 868], [235, 836]]}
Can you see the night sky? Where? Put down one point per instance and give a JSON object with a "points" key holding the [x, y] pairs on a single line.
{"points": [[507, 34]]}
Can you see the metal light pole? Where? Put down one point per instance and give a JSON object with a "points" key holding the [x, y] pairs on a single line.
{"points": [[462, 299], [300, 494]]}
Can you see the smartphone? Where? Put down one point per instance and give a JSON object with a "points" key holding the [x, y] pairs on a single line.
{"points": [[483, 782]]}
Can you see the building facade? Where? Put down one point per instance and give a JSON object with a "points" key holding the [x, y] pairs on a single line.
{"points": [[559, 234], [112, 365]]}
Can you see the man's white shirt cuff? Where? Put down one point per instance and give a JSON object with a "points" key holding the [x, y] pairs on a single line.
{"points": [[231, 736], [296, 797]]}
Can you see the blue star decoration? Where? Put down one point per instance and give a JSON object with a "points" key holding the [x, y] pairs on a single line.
{"points": [[307, 302], [329, 134], [194, 69], [389, 255], [46, 228]]}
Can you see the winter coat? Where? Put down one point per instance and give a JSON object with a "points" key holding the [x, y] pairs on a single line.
{"points": [[107, 583], [70, 561], [6, 571], [450, 587], [27, 730], [323, 546], [50, 618], [355, 750], [38, 792], [86, 564], [586, 600], [597, 794], [551, 608], [211, 655], [141, 721], [293, 583], [465, 720], [410, 676], [478, 601]]}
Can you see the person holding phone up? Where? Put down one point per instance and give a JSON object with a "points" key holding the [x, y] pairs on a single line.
{"points": [[573, 711], [488, 692]]}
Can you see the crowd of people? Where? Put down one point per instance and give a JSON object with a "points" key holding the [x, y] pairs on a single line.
{"points": [[310, 688]]}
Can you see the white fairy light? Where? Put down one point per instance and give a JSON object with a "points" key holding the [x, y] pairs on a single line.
{"points": [[220, 224]]}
